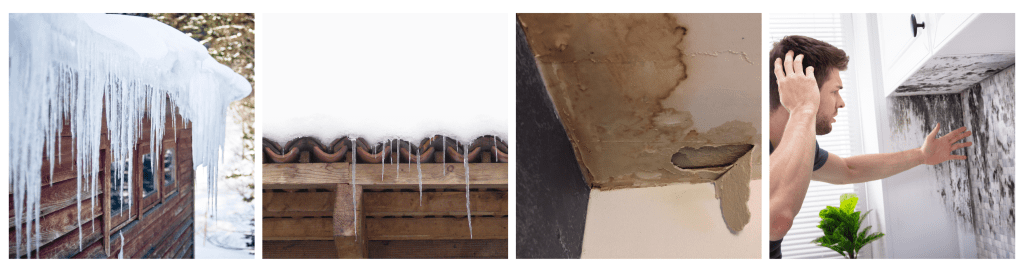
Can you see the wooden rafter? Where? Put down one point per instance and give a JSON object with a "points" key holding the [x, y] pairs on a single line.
{"points": [[327, 175]]}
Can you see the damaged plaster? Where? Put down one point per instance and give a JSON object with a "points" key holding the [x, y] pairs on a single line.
{"points": [[625, 87], [953, 74]]}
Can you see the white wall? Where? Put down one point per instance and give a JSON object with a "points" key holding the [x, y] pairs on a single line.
{"points": [[676, 221]]}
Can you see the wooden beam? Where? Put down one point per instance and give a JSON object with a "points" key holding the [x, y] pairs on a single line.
{"points": [[490, 203], [349, 237], [298, 204], [437, 228], [439, 249], [299, 250], [327, 175], [345, 219], [350, 247], [298, 229]]}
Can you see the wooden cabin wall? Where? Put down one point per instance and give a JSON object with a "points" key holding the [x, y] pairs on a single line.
{"points": [[164, 230]]}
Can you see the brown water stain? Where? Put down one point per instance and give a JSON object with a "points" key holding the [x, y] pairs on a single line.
{"points": [[608, 76]]}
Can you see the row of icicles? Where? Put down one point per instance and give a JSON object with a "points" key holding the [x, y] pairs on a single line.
{"points": [[419, 169], [328, 153]]}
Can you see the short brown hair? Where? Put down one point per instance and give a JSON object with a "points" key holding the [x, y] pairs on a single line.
{"points": [[822, 56]]}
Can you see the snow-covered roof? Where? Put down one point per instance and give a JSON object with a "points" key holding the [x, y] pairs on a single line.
{"points": [[68, 66]]}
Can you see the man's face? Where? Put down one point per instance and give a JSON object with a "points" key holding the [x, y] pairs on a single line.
{"points": [[830, 103]]}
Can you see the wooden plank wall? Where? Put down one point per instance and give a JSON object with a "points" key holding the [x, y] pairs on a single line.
{"points": [[298, 223], [164, 231]]}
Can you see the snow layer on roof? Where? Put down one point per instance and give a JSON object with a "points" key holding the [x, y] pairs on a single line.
{"points": [[385, 76], [68, 66]]}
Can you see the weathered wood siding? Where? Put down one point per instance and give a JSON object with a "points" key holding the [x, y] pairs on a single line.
{"points": [[159, 226]]}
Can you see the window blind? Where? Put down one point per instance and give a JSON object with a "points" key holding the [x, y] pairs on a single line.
{"points": [[842, 141]]}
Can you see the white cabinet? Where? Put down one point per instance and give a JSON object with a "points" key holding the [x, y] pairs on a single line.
{"points": [[902, 53]]}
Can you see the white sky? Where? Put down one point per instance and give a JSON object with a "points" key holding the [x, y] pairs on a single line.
{"points": [[382, 76]]}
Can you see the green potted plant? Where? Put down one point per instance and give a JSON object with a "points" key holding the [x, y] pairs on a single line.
{"points": [[842, 228]]}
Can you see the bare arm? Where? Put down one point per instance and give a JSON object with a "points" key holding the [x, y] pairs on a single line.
{"points": [[791, 162], [870, 167]]}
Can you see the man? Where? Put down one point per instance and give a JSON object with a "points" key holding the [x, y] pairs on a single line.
{"points": [[804, 103]]}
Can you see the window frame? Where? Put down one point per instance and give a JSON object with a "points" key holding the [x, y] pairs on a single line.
{"points": [[119, 221], [169, 188], [170, 143], [147, 201]]}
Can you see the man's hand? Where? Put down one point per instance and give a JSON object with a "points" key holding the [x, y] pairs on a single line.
{"points": [[938, 150], [798, 90]]}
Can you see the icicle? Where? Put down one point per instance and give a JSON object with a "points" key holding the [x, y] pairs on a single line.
{"points": [[355, 214], [129, 189], [381, 153], [469, 214], [37, 221], [418, 156], [78, 203], [92, 210], [398, 158], [444, 160], [19, 190], [120, 253], [495, 149]]}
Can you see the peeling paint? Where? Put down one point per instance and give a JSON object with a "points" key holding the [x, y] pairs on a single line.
{"points": [[953, 74], [709, 156]]}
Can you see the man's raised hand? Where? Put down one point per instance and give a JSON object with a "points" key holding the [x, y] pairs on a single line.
{"points": [[797, 88], [938, 150]]}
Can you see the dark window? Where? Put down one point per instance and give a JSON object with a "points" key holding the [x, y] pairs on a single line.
{"points": [[169, 167], [118, 188], [148, 184]]}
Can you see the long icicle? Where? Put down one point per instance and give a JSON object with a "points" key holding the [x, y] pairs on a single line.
{"points": [[469, 214], [381, 153], [418, 168], [120, 253], [355, 214], [397, 158], [38, 220], [78, 203], [444, 160], [20, 187]]}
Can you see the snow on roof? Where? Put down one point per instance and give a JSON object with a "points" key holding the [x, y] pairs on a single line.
{"points": [[385, 76], [68, 66]]}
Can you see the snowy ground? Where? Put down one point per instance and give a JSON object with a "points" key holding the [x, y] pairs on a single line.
{"points": [[225, 235]]}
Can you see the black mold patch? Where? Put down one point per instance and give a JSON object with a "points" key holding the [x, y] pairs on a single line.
{"points": [[980, 190], [989, 113], [952, 74], [916, 116]]}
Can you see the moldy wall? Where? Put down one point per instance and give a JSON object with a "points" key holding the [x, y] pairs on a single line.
{"points": [[956, 209]]}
